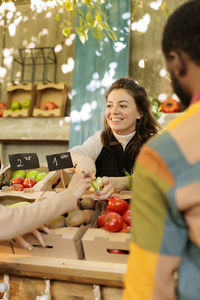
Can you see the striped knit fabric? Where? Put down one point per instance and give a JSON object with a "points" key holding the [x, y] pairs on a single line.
{"points": [[166, 215]]}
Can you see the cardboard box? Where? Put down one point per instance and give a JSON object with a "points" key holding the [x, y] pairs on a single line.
{"points": [[20, 93], [97, 242], [53, 92], [8, 197], [61, 243]]}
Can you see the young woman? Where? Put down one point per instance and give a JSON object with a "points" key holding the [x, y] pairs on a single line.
{"points": [[128, 124]]}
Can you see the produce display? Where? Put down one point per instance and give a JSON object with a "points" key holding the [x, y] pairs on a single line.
{"points": [[81, 215], [17, 106], [21, 180], [49, 105], [170, 106], [116, 217]]}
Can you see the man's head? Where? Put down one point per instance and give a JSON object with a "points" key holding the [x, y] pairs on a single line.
{"points": [[181, 47]]}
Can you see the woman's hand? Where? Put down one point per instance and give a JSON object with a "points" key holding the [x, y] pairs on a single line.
{"points": [[79, 184], [22, 241], [107, 190]]}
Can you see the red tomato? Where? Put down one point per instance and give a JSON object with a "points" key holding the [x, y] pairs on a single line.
{"points": [[170, 106], [17, 187], [125, 228], [116, 251], [17, 180], [29, 182], [101, 219], [2, 107], [127, 217], [49, 105], [113, 222], [107, 210], [117, 205]]}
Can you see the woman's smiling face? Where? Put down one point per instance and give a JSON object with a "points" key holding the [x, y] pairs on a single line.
{"points": [[121, 111]]}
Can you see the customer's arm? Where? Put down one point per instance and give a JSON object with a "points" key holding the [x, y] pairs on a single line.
{"points": [[157, 242], [16, 221]]}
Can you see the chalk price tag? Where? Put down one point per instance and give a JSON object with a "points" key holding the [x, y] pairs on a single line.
{"points": [[24, 161], [59, 161]]}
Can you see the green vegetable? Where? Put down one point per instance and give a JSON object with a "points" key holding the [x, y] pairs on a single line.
{"points": [[96, 184]]}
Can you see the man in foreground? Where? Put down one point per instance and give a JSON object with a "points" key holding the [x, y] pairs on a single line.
{"points": [[166, 188]]}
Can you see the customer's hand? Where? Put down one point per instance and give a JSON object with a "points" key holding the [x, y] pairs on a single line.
{"points": [[107, 190], [83, 163], [21, 240], [79, 184]]}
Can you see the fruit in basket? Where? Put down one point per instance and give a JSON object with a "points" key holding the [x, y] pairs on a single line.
{"points": [[113, 222], [127, 217], [117, 205], [49, 106], [17, 187], [116, 251], [32, 174], [26, 103], [87, 203], [79, 217], [170, 106], [18, 204], [101, 220], [125, 228], [58, 222], [2, 107], [18, 173], [29, 182], [17, 180], [40, 176], [16, 106]]}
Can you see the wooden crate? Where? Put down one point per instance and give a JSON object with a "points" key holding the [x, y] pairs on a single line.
{"points": [[20, 93], [53, 92]]}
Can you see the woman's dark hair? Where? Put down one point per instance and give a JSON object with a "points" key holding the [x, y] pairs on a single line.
{"points": [[146, 126], [182, 31]]}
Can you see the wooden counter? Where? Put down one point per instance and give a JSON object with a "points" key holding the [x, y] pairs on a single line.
{"points": [[76, 278]]}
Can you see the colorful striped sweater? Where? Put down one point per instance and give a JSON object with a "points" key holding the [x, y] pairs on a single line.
{"points": [[166, 215]]}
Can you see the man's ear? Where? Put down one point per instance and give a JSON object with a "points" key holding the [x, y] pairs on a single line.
{"points": [[177, 63]]}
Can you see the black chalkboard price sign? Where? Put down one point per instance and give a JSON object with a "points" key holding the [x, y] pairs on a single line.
{"points": [[23, 161], [59, 161]]}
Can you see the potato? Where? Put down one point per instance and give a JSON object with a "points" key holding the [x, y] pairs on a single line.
{"points": [[87, 203], [73, 210], [88, 215], [58, 222], [75, 219]]}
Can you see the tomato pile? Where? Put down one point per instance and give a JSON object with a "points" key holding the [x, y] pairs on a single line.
{"points": [[19, 183], [116, 217]]}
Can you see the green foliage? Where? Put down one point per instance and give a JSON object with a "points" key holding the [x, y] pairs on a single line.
{"points": [[130, 178], [90, 17], [139, 6]]}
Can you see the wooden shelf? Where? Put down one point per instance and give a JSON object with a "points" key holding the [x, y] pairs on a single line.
{"points": [[35, 129], [80, 271]]}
